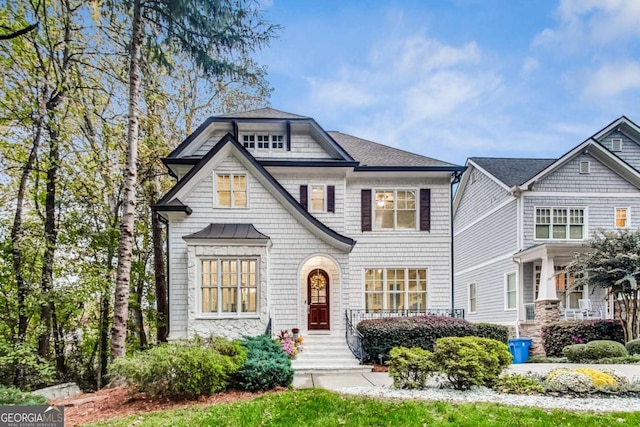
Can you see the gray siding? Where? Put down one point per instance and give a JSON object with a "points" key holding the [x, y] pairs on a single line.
{"points": [[630, 149], [480, 195], [568, 178], [490, 290], [528, 290], [489, 238]]}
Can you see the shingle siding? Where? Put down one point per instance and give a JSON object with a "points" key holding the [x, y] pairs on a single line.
{"points": [[630, 149], [568, 178]]}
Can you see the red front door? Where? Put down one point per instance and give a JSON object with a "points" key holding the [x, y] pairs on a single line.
{"points": [[318, 299]]}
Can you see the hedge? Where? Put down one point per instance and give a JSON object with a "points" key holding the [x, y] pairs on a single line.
{"points": [[381, 335], [559, 335]]}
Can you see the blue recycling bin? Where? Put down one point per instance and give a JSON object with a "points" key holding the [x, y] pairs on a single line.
{"points": [[519, 349]]}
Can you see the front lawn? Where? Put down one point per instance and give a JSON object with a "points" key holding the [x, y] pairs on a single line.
{"points": [[316, 407]]}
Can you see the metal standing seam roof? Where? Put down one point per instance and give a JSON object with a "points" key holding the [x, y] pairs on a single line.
{"points": [[228, 231], [511, 171], [370, 153]]}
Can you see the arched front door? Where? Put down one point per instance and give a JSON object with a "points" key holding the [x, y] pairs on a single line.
{"points": [[318, 299]]}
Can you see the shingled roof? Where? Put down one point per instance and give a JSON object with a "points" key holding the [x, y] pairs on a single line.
{"points": [[370, 153], [263, 113], [512, 172]]}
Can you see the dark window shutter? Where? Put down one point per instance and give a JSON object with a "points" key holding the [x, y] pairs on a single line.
{"points": [[425, 209], [365, 210], [303, 196], [331, 198]]}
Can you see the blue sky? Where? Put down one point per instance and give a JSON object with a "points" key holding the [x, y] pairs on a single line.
{"points": [[461, 78]]}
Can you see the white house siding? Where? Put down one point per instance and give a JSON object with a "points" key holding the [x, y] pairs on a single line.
{"points": [[216, 135], [568, 178], [291, 242], [401, 249], [292, 183], [490, 292], [480, 195], [630, 149], [489, 238]]}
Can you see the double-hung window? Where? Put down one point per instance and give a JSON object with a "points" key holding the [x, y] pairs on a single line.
{"points": [[396, 289], [317, 198], [395, 209], [231, 191], [510, 291], [229, 286], [622, 217], [559, 224], [473, 298]]}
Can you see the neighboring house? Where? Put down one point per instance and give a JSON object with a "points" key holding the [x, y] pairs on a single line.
{"points": [[518, 222], [275, 219]]}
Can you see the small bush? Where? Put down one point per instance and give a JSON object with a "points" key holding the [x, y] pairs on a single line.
{"points": [[620, 360], [181, 370], [565, 380], [518, 384], [14, 396], [267, 366], [381, 335], [596, 350], [633, 347], [493, 331], [20, 365], [469, 361], [410, 368], [575, 352], [558, 336]]}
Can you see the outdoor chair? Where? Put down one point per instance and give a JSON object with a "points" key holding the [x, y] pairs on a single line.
{"points": [[587, 310]]}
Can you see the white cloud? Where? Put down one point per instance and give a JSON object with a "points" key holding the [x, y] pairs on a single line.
{"points": [[529, 65], [339, 93], [598, 22], [421, 54], [613, 79]]}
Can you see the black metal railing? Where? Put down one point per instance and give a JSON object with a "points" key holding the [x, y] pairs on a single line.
{"points": [[354, 338], [358, 315]]}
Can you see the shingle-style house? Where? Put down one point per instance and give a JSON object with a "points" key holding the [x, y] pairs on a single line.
{"points": [[518, 223], [274, 219]]}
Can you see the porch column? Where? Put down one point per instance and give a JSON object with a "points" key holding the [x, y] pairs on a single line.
{"points": [[547, 312], [547, 289]]}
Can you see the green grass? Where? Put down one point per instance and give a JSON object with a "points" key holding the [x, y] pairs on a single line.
{"points": [[317, 407]]}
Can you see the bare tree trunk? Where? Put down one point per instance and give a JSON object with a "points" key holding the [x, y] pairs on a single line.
{"points": [[139, 318], [127, 227], [162, 302]]}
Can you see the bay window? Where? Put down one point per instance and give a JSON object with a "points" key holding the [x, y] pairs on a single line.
{"points": [[229, 286]]}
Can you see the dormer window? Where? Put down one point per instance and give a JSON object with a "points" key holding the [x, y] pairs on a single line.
{"points": [[616, 144], [263, 141]]}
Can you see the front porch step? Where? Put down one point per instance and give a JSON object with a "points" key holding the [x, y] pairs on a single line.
{"points": [[326, 353]]}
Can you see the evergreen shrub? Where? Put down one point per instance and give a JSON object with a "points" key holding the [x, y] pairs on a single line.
{"points": [[14, 396], [633, 347], [410, 368], [557, 336], [594, 350], [493, 331], [267, 366]]}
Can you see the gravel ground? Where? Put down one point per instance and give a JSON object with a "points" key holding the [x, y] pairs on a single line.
{"points": [[612, 404]]}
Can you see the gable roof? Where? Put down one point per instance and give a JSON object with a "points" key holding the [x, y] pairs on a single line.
{"points": [[372, 154], [622, 124], [309, 221], [263, 113], [512, 171]]}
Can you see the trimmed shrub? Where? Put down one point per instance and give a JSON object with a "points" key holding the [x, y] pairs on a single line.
{"points": [[381, 335], [558, 336], [493, 331], [410, 368], [14, 396], [518, 384], [267, 366], [575, 352], [469, 361], [633, 347], [181, 370]]}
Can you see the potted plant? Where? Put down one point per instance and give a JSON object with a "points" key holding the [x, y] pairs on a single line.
{"points": [[295, 332]]}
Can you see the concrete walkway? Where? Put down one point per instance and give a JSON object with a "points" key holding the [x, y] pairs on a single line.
{"points": [[381, 379]]}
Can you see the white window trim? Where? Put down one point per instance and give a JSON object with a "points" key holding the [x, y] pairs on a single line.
{"points": [[395, 216], [324, 199], [385, 288], [469, 297], [270, 136], [585, 225], [616, 139], [506, 290], [215, 190], [226, 315], [615, 213], [588, 167]]}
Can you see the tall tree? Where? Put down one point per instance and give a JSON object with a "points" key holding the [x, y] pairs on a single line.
{"points": [[216, 35]]}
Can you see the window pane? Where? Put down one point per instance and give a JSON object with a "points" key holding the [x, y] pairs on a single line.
{"points": [[406, 219], [576, 231], [317, 198], [373, 280], [542, 231], [417, 301], [384, 219], [543, 216], [384, 209], [373, 301], [229, 300], [511, 300], [621, 217], [559, 231]]}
